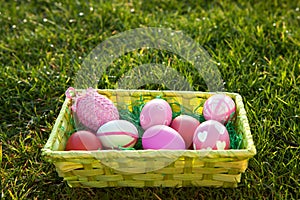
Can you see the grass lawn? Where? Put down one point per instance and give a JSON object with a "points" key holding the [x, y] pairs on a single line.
{"points": [[256, 46]]}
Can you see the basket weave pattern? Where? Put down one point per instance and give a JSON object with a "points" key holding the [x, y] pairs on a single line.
{"points": [[150, 168]]}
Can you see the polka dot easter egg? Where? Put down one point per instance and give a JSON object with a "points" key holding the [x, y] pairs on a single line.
{"points": [[93, 110], [155, 112], [211, 135], [185, 125], [219, 107], [118, 133], [162, 137]]}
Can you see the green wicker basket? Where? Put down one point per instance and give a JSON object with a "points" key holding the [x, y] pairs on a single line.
{"points": [[150, 168]]}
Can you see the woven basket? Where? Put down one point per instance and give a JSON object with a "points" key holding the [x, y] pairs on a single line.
{"points": [[150, 168]]}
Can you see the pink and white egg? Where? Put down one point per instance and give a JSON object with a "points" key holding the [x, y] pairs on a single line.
{"points": [[211, 135], [219, 107], [117, 133], [156, 112]]}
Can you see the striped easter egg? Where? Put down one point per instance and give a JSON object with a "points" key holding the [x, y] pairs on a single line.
{"points": [[117, 133]]}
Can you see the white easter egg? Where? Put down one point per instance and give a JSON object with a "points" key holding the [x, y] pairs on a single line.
{"points": [[117, 133]]}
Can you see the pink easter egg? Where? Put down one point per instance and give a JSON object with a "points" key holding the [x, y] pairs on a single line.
{"points": [[162, 137], [84, 141], [117, 133], [219, 107], [185, 125], [211, 135], [155, 112], [93, 110]]}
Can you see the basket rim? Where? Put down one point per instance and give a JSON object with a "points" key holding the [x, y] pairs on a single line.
{"points": [[246, 153], [233, 153]]}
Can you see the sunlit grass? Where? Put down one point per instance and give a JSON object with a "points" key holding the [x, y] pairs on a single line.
{"points": [[255, 45]]}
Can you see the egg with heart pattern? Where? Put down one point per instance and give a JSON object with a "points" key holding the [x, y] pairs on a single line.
{"points": [[211, 135]]}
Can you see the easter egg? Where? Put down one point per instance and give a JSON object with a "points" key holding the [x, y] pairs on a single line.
{"points": [[162, 137], [211, 135], [117, 133], [219, 107], [83, 140], [185, 125], [155, 112], [93, 110]]}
